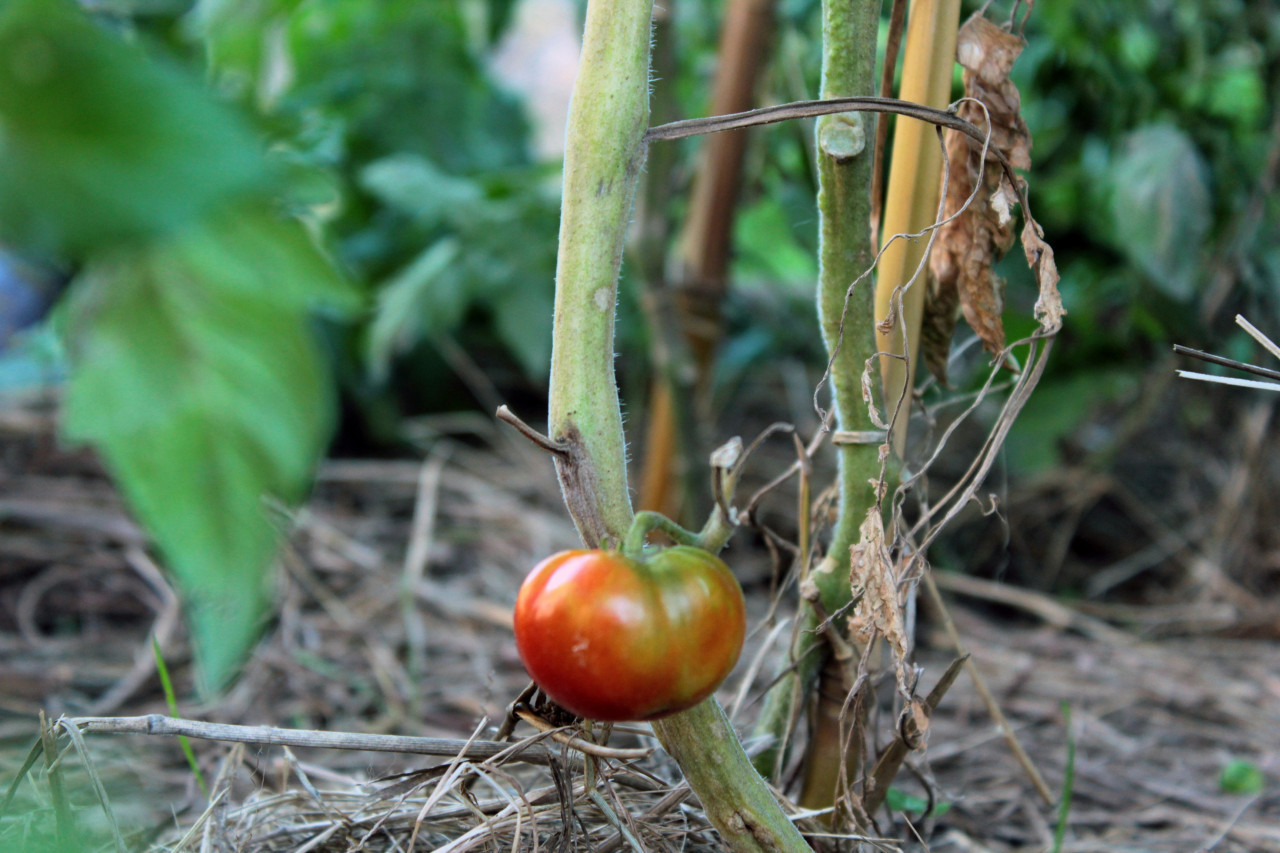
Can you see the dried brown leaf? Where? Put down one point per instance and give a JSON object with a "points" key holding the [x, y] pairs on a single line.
{"points": [[1048, 309], [878, 611], [938, 325], [987, 53], [968, 245], [870, 387]]}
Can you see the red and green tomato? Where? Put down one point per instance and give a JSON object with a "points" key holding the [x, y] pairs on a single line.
{"points": [[613, 638]]}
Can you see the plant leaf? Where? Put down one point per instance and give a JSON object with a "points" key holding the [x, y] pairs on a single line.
{"points": [[522, 318], [419, 300], [196, 374], [1241, 777], [413, 185], [969, 244], [1160, 207], [100, 144]]}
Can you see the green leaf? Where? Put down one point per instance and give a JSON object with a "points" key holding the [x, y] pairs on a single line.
{"points": [[369, 65], [500, 13], [1139, 45], [100, 144], [1236, 90], [196, 374], [1057, 410], [412, 185], [1068, 783], [1241, 777], [900, 801], [522, 317], [769, 247], [171, 699], [1160, 207], [421, 299]]}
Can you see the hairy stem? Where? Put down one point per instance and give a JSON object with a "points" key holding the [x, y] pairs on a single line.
{"points": [[733, 795], [603, 154], [846, 314], [844, 254]]}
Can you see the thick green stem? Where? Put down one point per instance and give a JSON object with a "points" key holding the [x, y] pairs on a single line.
{"points": [[847, 314], [740, 805], [847, 317], [603, 154], [845, 253]]}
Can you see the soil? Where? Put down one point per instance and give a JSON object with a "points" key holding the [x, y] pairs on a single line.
{"points": [[393, 617]]}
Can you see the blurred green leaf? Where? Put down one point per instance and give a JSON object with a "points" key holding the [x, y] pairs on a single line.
{"points": [[900, 801], [196, 374], [99, 143], [412, 185], [1160, 207], [1236, 89], [768, 246], [420, 300], [522, 317], [401, 75], [1139, 45], [1059, 408], [1241, 777], [500, 13]]}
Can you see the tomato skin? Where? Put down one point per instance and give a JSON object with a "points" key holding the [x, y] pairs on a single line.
{"points": [[612, 638]]}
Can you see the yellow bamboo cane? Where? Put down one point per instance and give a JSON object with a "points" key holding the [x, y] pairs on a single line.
{"points": [[912, 203]]}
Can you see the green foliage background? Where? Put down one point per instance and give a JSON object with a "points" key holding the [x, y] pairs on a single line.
{"points": [[271, 204]]}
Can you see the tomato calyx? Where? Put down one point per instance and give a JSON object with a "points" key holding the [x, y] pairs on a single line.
{"points": [[645, 522]]}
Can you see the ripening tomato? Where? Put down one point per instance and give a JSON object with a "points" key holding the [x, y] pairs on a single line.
{"points": [[612, 638]]}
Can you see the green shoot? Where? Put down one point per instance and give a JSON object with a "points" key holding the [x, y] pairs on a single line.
{"points": [[172, 701]]}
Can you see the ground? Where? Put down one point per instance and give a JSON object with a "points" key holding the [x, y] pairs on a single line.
{"points": [[393, 617]]}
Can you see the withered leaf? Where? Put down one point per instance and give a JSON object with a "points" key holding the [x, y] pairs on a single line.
{"points": [[938, 325], [975, 236], [1048, 309], [878, 611]]}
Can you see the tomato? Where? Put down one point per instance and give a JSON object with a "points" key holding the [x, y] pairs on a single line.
{"points": [[612, 638]]}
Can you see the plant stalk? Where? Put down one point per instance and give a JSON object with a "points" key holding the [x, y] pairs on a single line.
{"points": [[733, 795], [603, 155], [604, 150], [846, 314]]}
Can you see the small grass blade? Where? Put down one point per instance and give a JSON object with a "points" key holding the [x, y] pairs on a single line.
{"points": [[172, 701], [77, 740], [37, 749], [1068, 782]]}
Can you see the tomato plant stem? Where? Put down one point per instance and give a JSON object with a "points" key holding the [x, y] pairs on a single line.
{"points": [[603, 155], [647, 521], [845, 309], [604, 148], [733, 795], [846, 314]]}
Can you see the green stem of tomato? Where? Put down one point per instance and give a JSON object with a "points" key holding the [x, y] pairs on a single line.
{"points": [[603, 155], [847, 316], [845, 311], [733, 795], [604, 151], [647, 521]]}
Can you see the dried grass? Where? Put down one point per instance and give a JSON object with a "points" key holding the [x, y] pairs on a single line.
{"points": [[394, 618]]}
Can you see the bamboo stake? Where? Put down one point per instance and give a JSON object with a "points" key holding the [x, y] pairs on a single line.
{"points": [[912, 201]]}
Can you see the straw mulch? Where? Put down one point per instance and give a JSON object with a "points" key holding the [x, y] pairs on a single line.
{"points": [[394, 618]]}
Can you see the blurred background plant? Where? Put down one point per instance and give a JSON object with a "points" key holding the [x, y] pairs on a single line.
{"points": [[416, 144]]}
